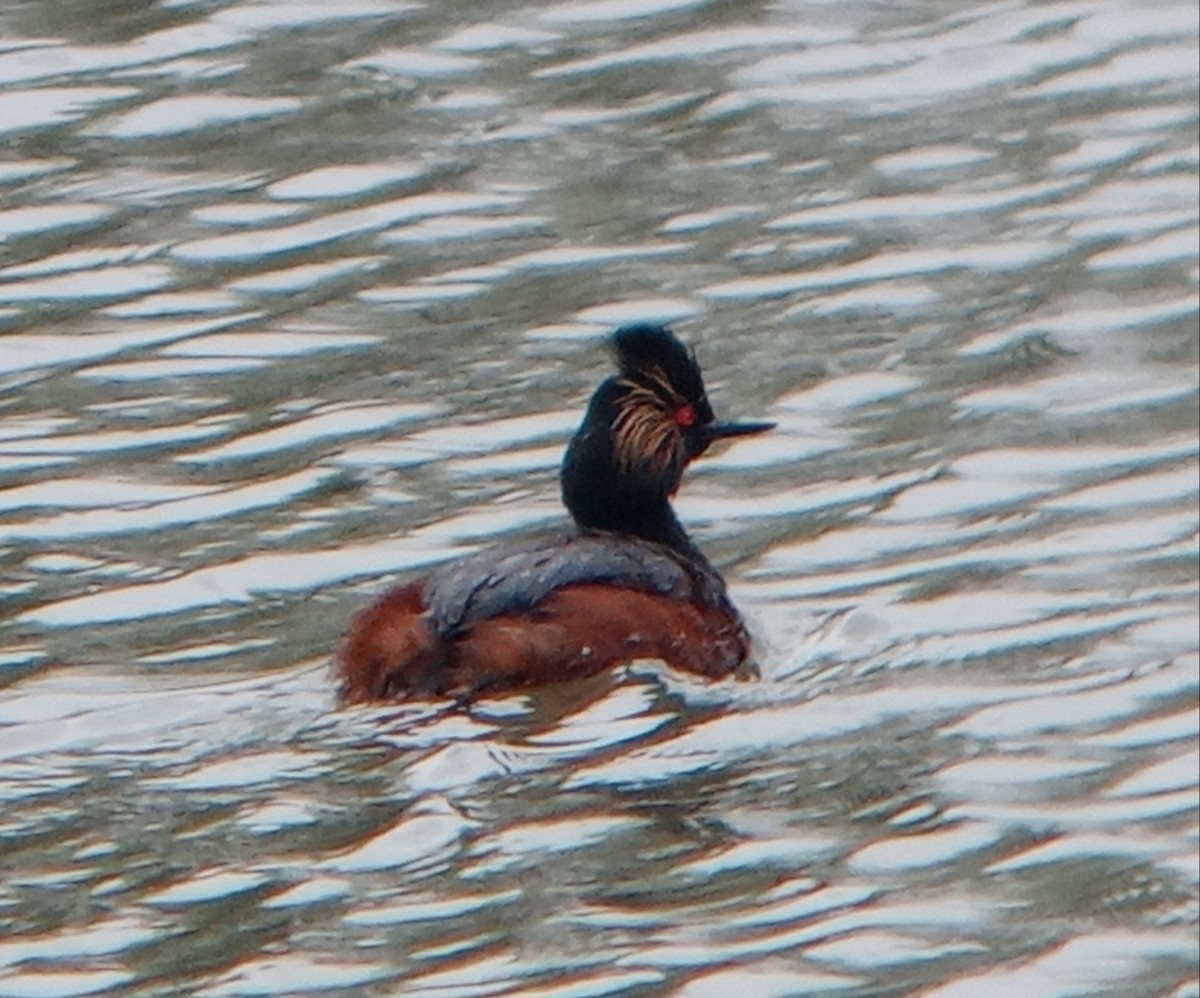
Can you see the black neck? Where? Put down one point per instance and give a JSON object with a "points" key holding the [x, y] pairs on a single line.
{"points": [[602, 496], [657, 523]]}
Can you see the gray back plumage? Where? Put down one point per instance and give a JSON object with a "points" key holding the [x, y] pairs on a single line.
{"points": [[511, 578]]}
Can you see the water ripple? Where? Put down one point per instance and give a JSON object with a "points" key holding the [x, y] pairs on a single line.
{"points": [[297, 299]]}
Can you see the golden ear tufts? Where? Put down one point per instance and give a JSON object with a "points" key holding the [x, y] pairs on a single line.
{"points": [[644, 432]]}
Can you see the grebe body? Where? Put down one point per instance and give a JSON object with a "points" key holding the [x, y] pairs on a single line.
{"points": [[627, 583]]}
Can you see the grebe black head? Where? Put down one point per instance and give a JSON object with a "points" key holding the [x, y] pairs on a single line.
{"points": [[641, 429]]}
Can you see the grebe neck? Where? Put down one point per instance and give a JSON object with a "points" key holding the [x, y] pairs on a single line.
{"points": [[604, 493]]}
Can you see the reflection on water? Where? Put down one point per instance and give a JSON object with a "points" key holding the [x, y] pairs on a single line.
{"points": [[296, 298]]}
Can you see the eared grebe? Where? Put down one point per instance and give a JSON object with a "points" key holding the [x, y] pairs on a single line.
{"points": [[626, 584]]}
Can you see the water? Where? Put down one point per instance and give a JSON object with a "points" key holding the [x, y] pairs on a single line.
{"points": [[297, 298]]}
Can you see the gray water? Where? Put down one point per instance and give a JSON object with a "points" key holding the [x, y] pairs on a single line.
{"points": [[297, 298]]}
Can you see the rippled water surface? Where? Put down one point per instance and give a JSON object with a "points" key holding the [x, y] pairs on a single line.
{"points": [[297, 297]]}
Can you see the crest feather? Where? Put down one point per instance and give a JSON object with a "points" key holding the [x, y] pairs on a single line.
{"points": [[653, 356]]}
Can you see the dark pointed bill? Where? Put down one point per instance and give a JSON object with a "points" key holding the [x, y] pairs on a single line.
{"points": [[721, 431]]}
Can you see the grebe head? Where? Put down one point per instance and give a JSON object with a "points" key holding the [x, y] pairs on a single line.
{"points": [[641, 430]]}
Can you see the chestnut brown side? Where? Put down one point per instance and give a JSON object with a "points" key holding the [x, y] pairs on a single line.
{"points": [[392, 650]]}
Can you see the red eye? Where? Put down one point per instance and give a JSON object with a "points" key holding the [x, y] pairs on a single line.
{"points": [[685, 416]]}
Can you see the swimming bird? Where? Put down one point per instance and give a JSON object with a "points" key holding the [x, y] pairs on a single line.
{"points": [[625, 583]]}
